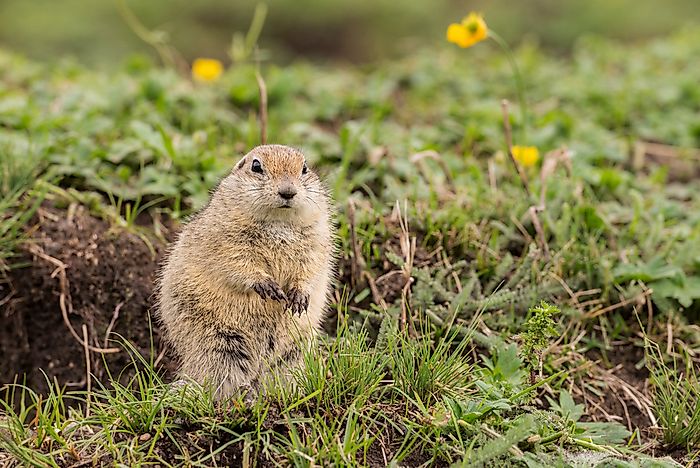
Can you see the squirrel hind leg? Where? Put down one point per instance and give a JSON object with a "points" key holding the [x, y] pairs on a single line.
{"points": [[228, 365]]}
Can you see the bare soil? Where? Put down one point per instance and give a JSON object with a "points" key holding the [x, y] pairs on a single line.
{"points": [[623, 362], [99, 278]]}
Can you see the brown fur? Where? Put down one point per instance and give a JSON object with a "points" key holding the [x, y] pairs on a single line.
{"points": [[242, 266]]}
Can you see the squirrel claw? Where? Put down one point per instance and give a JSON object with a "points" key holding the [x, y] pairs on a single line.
{"points": [[298, 301], [269, 289]]}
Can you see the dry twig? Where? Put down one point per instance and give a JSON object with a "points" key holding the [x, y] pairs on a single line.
{"points": [[376, 295], [357, 265], [115, 316], [408, 250], [640, 298], [88, 377], [263, 106]]}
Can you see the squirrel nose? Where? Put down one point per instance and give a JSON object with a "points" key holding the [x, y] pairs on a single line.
{"points": [[287, 192]]}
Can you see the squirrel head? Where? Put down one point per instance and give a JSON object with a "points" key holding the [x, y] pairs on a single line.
{"points": [[273, 183]]}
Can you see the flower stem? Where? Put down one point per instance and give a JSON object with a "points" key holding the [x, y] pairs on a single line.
{"points": [[519, 85]]}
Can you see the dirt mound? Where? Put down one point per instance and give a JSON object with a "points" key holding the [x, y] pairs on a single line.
{"points": [[81, 276]]}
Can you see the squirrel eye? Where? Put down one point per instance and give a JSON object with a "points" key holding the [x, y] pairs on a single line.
{"points": [[256, 167], [305, 169]]}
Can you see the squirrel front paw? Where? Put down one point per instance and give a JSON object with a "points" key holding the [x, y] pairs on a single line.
{"points": [[297, 301], [269, 289]]}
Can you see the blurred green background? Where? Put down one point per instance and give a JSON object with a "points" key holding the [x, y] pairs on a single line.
{"points": [[350, 30]]}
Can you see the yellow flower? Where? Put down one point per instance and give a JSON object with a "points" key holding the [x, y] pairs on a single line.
{"points": [[526, 155], [471, 30], [457, 34], [204, 69]]}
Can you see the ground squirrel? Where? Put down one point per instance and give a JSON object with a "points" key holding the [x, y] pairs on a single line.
{"points": [[248, 279]]}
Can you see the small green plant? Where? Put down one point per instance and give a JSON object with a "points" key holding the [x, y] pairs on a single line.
{"points": [[524, 427], [599, 436], [503, 373], [540, 328]]}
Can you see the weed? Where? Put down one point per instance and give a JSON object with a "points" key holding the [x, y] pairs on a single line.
{"points": [[540, 328]]}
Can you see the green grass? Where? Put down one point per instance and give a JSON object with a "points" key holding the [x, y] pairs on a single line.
{"points": [[445, 352], [677, 402], [17, 204], [363, 405]]}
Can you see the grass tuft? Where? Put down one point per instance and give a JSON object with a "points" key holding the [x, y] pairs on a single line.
{"points": [[676, 397]]}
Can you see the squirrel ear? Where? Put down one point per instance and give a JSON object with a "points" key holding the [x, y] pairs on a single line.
{"points": [[240, 163]]}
